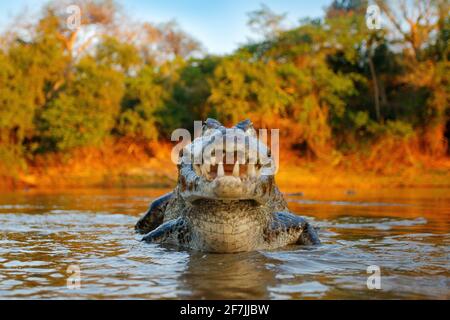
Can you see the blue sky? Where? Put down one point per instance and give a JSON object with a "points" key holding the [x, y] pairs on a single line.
{"points": [[220, 25]]}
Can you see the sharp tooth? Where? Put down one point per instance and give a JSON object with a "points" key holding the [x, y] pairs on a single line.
{"points": [[205, 170], [236, 169], [213, 161], [251, 170], [220, 171]]}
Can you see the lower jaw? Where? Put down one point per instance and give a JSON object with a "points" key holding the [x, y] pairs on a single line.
{"points": [[227, 227], [227, 243], [224, 203], [227, 237], [244, 199]]}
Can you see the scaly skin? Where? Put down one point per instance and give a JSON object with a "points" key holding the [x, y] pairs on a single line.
{"points": [[225, 209]]}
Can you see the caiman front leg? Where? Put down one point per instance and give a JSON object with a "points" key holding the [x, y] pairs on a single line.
{"points": [[154, 216], [173, 231], [288, 227]]}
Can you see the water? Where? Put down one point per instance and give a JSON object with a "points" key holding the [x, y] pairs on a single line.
{"points": [[404, 232]]}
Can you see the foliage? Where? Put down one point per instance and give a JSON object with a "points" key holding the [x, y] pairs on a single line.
{"points": [[85, 110], [330, 84]]}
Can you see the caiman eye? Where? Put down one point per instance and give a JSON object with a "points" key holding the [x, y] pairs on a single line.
{"points": [[210, 126], [244, 125]]}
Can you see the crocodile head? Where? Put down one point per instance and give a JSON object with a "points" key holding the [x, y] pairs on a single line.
{"points": [[226, 164]]}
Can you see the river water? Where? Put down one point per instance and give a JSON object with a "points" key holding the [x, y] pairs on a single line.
{"points": [[404, 233]]}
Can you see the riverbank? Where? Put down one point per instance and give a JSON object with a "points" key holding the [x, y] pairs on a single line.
{"points": [[133, 165], [287, 178]]}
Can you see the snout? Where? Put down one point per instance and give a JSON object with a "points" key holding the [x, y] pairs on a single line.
{"points": [[228, 187]]}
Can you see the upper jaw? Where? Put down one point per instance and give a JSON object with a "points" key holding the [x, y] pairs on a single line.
{"points": [[245, 172], [227, 187], [246, 159], [226, 165]]}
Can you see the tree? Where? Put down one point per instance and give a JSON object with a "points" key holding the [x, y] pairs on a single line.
{"points": [[86, 109], [266, 22], [97, 18], [188, 101], [163, 42], [420, 27], [144, 96]]}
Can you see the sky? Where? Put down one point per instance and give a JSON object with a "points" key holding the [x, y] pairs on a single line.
{"points": [[220, 25]]}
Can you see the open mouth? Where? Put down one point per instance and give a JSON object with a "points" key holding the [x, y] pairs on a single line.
{"points": [[229, 165]]}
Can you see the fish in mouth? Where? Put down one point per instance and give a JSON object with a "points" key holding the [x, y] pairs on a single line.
{"points": [[226, 199]]}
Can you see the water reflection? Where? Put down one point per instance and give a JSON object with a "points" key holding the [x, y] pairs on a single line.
{"points": [[234, 276], [41, 234]]}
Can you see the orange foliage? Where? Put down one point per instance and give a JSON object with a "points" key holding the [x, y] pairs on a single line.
{"points": [[116, 163]]}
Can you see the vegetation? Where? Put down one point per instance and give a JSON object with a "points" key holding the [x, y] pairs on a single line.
{"points": [[339, 92]]}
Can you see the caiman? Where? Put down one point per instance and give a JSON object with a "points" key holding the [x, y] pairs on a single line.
{"points": [[226, 199]]}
